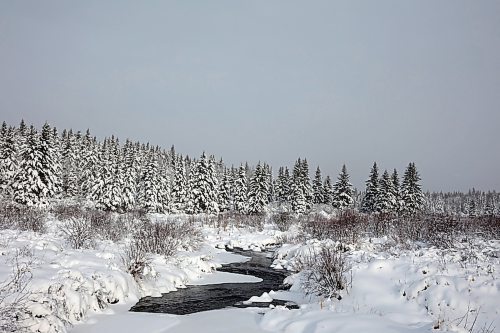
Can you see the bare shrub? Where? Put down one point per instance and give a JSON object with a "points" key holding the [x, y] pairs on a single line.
{"points": [[103, 223], [255, 221], [408, 229], [442, 231], [326, 272], [66, 211], [347, 227], [487, 227], [79, 233], [159, 238], [106, 226], [8, 215], [136, 260], [287, 238], [22, 217], [381, 224], [166, 237], [14, 296], [191, 236], [223, 220], [283, 221]]}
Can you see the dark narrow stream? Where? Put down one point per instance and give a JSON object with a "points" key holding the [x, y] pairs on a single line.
{"points": [[218, 296]]}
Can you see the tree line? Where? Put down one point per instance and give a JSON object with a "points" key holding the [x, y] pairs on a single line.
{"points": [[39, 166]]}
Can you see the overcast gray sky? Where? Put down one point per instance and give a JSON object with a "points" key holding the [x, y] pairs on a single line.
{"points": [[337, 82]]}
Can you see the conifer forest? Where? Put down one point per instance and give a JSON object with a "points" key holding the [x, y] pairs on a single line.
{"points": [[40, 166]]}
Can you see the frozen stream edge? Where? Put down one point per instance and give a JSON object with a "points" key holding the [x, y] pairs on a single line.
{"points": [[118, 318]]}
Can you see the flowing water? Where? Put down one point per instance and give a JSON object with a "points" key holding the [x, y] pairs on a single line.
{"points": [[217, 296]]}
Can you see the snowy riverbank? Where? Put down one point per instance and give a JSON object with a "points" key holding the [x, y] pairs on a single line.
{"points": [[393, 288]]}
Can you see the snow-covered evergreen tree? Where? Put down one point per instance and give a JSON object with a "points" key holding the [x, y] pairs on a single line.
{"points": [[89, 164], [283, 185], [317, 188], [258, 191], [271, 194], [149, 196], [306, 184], [179, 192], [37, 179], [3, 130], [70, 158], [371, 199], [387, 202], [328, 191], [107, 191], [489, 209], [23, 132], [164, 194], [129, 170], [8, 159], [411, 191], [472, 207], [240, 191], [396, 191], [343, 191], [224, 199], [301, 188], [204, 187]]}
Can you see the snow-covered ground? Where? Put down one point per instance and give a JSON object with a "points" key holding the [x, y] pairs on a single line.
{"points": [[394, 289]]}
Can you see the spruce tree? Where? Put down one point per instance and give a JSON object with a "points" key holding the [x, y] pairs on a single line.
{"points": [[306, 184], [37, 179], [396, 191], [489, 209], [70, 158], [343, 191], [3, 130], [283, 186], [179, 192], [22, 131], [258, 191], [224, 199], [107, 191], [271, 194], [240, 188], [371, 199], [204, 187], [89, 164], [387, 202], [300, 189], [317, 188], [27, 187], [411, 191], [278, 186], [129, 169], [328, 191], [8, 159], [149, 191]]}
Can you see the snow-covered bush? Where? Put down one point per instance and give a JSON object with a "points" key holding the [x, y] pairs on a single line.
{"points": [[14, 296], [65, 211], [108, 226], [79, 233], [21, 217], [164, 238], [347, 227], [100, 224], [486, 226], [136, 259], [283, 221], [255, 221], [325, 272]]}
